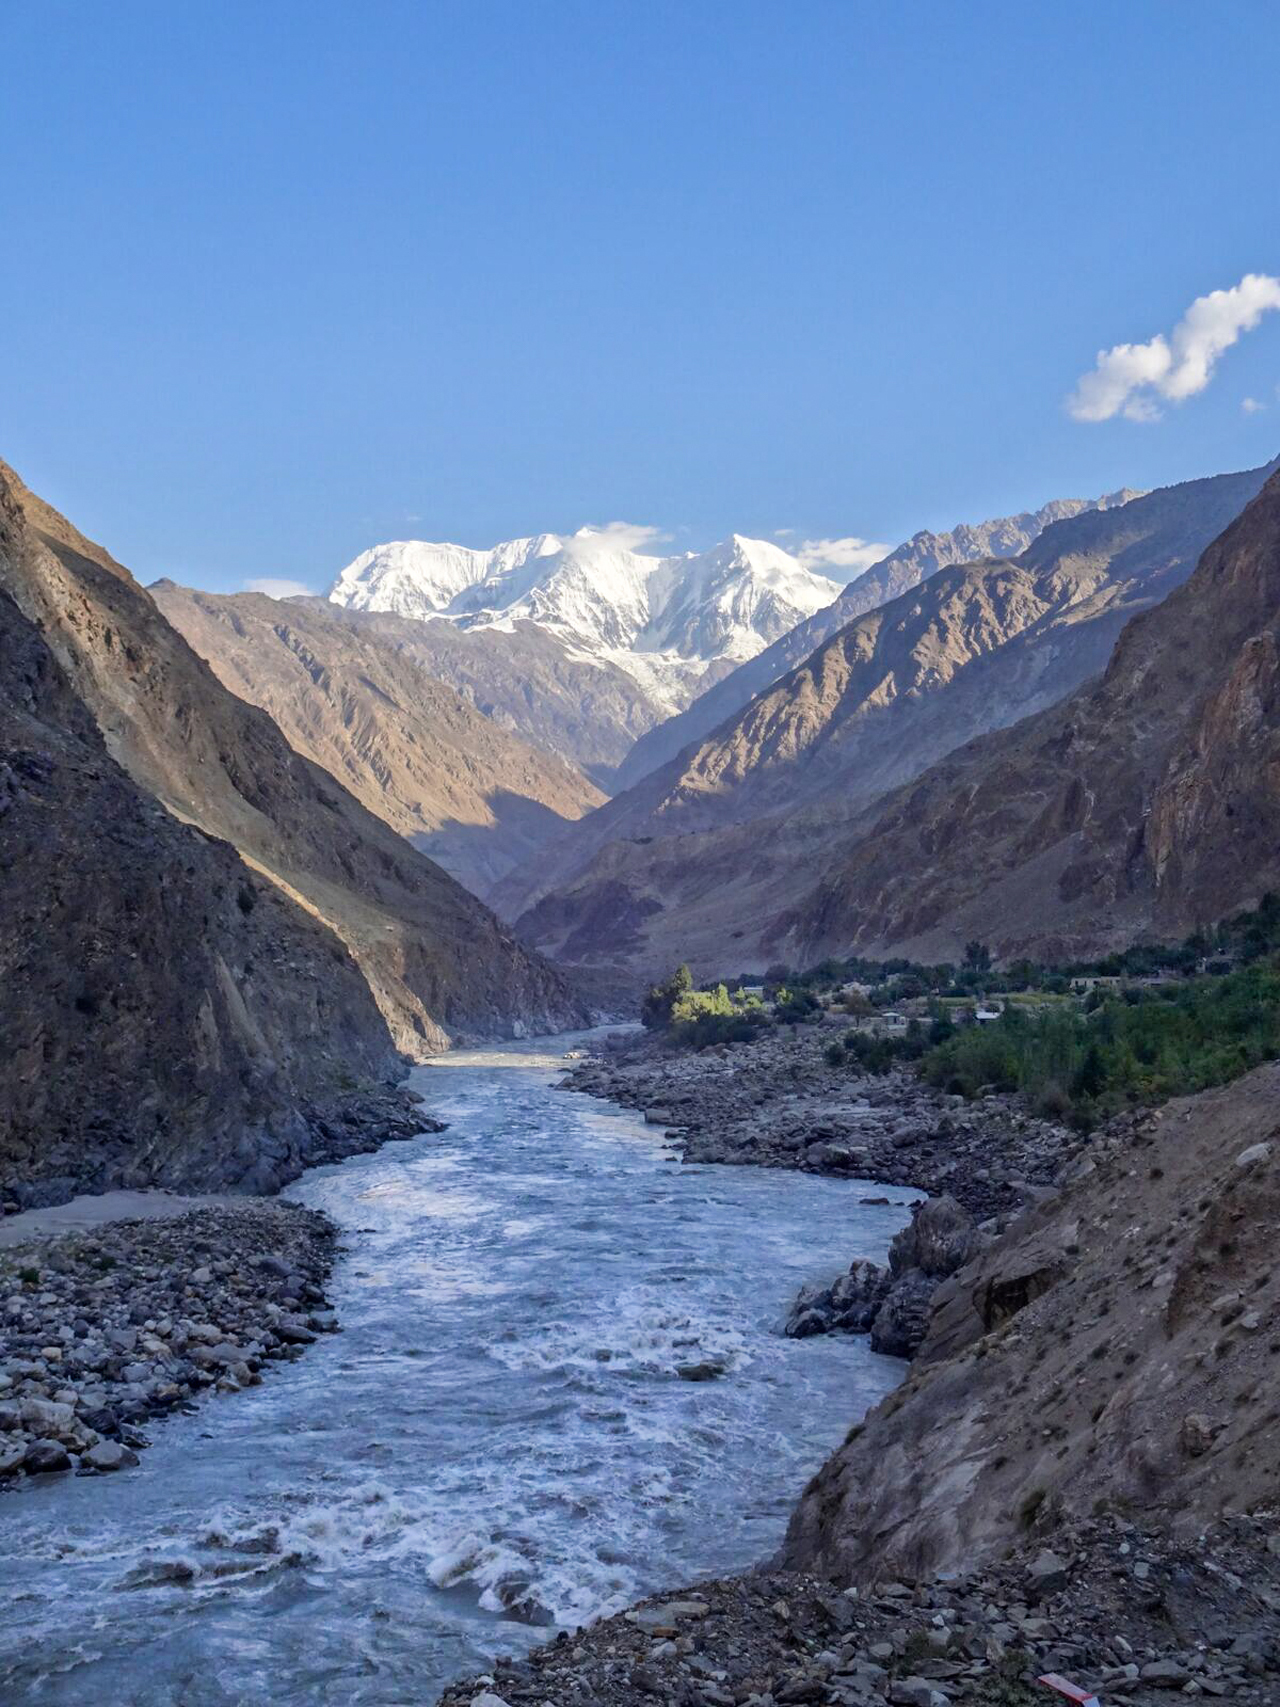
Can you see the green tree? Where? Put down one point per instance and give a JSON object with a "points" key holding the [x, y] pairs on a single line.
{"points": [[658, 1005]]}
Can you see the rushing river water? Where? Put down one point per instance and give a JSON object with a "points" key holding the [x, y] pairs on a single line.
{"points": [[499, 1439]]}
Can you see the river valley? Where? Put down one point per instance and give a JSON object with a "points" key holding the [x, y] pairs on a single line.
{"points": [[500, 1441]]}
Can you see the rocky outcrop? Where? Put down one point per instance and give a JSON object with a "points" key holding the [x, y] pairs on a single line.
{"points": [[473, 795], [975, 648], [1108, 1352], [168, 1015], [892, 1304], [436, 961]]}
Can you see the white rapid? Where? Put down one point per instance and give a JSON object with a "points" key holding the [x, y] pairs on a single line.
{"points": [[500, 1440]]}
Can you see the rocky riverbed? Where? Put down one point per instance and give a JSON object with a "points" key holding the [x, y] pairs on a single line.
{"points": [[1113, 1607], [777, 1102], [102, 1330]]}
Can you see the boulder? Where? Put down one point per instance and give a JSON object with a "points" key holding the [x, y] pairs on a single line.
{"points": [[900, 1322], [1046, 1574], [109, 1455], [47, 1416], [940, 1239], [45, 1455]]}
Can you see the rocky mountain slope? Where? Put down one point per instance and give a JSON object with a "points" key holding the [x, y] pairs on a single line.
{"points": [[1147, 801], [530, 682], [924, 554], [1111, 1351], [472, 795], [675, 624], [434, 958], [974, 648], [168, 1015]]}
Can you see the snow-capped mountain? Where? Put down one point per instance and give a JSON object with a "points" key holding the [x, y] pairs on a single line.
{"points": [[674, 623]]}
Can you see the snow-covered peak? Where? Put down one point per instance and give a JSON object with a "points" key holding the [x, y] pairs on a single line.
{"points": [[734, 600], [415, 577], [668, 619]]}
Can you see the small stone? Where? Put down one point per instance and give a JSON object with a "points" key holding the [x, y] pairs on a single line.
{"points": [[1196, 1433]]}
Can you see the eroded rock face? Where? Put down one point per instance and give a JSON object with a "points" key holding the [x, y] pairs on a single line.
{"points": [[208, 952], [1106, 1350], [168, 1016]]}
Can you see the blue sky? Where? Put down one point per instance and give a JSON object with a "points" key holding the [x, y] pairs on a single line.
{"points": [[281, 280]]}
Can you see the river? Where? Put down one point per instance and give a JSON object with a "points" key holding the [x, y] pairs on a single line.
{"points": [[499, 1441]]}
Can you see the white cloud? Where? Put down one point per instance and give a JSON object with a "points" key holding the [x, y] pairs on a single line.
{"points": [[275, 587], [1132, 379], [1251, 406], [625, 536], [843, 559]]}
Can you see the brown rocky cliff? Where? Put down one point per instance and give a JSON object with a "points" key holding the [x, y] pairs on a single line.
{"points": [[905, 568], [973, 649], [167, 1016], [436, 960]]}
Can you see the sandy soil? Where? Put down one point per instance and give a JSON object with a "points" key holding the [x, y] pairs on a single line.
{"points": [[96, 1210]]}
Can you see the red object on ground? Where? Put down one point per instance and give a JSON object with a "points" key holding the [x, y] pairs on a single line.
{"points": [[1072, 1691]]}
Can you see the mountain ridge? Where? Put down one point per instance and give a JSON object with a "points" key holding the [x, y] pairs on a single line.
{"points": [[169, 1016], [771, 795], [1144, 802], [436, 961], [917, 558], [673, 622], [475, 797]]}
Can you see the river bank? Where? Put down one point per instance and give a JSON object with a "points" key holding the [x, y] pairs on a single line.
{"points": [[1140, 1617], [260, 1159], [121, 1306], [110, 1326], [777, 1102]]}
